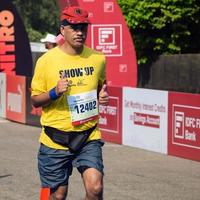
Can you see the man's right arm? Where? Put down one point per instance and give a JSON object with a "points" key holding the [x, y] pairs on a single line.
{"points": [[40, 100], [45, 98]]}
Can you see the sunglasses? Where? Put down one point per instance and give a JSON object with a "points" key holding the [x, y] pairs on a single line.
{"points": [[75, 27]]}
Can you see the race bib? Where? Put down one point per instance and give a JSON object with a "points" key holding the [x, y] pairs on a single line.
{"points": [[83, 107]]}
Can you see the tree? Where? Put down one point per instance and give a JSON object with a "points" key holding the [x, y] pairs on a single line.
{"points": [[39, 17], [162, 27]]}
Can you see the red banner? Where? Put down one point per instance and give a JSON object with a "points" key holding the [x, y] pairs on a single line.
{"points": [[184, 125], [16, 98], [110, 121], [109, 34], [143, 119]]}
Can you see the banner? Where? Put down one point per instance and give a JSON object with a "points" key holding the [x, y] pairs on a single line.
{"points": [[15, 98], [110, 121], [15, 53], [109, 34], [184, 125], [145, 119], [2, 95]]}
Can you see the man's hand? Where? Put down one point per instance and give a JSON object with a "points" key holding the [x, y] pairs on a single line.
{"points": [[103, 95], [62, 86], [45, 98]]}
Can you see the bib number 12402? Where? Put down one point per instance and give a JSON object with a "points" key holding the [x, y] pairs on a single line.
{"points": [[81, 108]]}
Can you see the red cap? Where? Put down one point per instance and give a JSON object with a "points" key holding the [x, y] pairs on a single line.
{"points": [[75, 15]]}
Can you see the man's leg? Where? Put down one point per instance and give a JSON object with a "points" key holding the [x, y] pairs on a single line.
{"points": [[93, 182], [89, 163], [59, 194], [54, 167], [49, 194]]}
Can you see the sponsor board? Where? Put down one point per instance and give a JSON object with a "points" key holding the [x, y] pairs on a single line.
{"points": [[145, 119], [184, 125], [15, 98], [110, 120], [2, 95]]}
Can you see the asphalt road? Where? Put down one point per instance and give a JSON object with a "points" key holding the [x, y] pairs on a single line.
{"points": [[130, 173]]}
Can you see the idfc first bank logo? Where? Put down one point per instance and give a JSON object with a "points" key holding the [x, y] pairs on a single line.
{"points": [[186, 126], [107, 39]]}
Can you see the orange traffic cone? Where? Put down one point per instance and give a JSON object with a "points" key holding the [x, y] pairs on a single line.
{"points": [[44, 193]]}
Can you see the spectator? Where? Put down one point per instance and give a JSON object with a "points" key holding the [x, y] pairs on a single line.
{"points": [[49, 41]]}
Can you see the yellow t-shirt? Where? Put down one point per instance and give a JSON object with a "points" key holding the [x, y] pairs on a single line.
{"points": [[84, 72]]}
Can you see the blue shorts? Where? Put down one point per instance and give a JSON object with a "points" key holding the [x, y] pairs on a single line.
{"points": [[55, 165]]}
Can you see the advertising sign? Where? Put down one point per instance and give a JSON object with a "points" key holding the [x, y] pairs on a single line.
{"points": [[15, 101], [109, 34], [32, 114], [107, 39], [184, 125], [110, 121], [145, 119], [15, 53], [2, 95]]}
